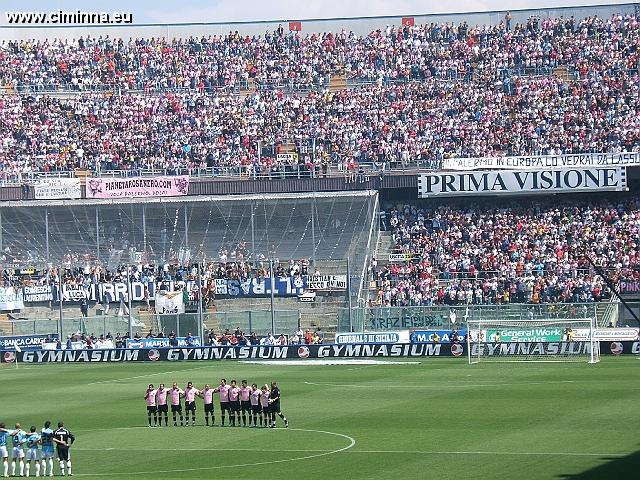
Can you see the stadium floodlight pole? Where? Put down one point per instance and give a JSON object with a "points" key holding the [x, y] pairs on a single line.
{"points": [[144, 229], [253, 230], [97, 233], [313, 227], [46, 230], [273, 283], [130, 319], [60, 298], [200, 289], [349, 297]]}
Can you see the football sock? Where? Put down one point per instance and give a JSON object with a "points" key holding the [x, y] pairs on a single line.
{"points": [[27, 469], [37, 469], [5, 468], [62, 467], [21, 468], [69, 467], [13, 468]]}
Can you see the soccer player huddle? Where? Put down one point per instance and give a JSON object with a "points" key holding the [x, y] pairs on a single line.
{"points": [[242, 405], [42, 459]]}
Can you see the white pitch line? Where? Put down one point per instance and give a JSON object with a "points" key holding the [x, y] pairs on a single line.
{"points": [[437, 385], [134, 449], [434, 452], [352, 442], [148, 375]]}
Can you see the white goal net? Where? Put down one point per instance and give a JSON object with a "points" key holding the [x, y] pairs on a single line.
{"points": [[557, 340]]}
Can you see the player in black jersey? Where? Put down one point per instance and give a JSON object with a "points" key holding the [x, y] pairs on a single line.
{"points": [[274, 405], [63, 439]]}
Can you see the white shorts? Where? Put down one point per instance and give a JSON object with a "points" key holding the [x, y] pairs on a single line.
{"points": [[32, 454], [17, 452], [3, 451]]}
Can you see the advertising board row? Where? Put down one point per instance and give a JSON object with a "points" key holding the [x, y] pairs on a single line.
{"points": [[315, 352], [9, 342]]}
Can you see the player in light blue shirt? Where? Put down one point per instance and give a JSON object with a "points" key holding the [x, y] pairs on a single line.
{"points": [[4, 454], [33, 455], [19, 439], [46, 438]]}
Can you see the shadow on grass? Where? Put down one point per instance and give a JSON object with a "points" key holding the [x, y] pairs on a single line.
{"points": [[615, 467]]}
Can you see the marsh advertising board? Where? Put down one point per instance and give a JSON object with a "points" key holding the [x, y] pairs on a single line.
{"points": [[515, 182], [401, 336]]}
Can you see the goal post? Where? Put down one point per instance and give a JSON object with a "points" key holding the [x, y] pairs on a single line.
{"points": [[553, 340]]}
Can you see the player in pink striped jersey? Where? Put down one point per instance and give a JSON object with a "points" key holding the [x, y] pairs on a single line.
{"points": [[256, 409], [163, 408], [176, 393], [152, 409], [234, 403], [223, 390], [207, 395], [190, 394], [245, 404], [264, 403]]}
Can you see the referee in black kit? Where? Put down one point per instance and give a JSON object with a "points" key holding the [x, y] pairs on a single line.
{"points": [[274, 405], [63, 439]]}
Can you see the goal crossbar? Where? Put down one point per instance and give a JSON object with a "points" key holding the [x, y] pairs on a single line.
{"points": [[546, 340]]}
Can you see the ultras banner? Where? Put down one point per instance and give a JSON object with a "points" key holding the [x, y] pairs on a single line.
{"points": [[57, 188], [138, 187], [553, 162], [513, 182]]}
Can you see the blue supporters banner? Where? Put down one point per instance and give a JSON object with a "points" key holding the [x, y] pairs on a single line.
{"points": [[261, 287], [428, 336], [163, 342], [26, 341]]}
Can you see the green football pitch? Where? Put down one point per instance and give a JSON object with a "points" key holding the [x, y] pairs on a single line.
{"points": [[432, 418]]}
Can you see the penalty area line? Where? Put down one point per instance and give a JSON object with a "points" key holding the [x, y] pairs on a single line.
{"points": [[523, 454], [148, 375], [468, 385]]}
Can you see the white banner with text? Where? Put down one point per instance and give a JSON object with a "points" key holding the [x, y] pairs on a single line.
{"points": [[513, 182]]}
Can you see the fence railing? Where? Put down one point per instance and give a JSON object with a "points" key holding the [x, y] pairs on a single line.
{"points": [[445, 317], [286, 322]]}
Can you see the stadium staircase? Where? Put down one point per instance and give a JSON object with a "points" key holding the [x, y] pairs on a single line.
{"points": [[251, 88], [607, 312], [338, 82], [562, 72], [384, 247], [5, 324]]}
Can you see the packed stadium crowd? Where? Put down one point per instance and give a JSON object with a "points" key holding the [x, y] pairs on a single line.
{"points": [[538, 253], [501, 108], [588, 45], [84, 272]]}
